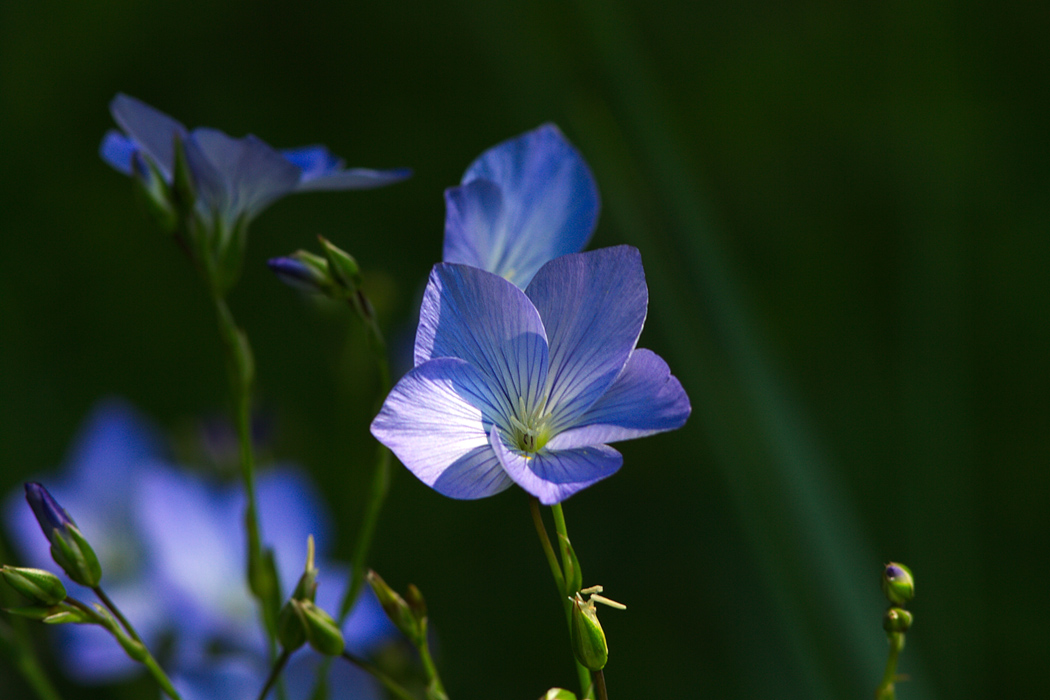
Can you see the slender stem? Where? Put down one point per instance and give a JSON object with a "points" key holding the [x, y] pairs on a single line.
{"points": [[586, 685], [112, 607], [548, 550], [278, 666], [599, 685], [149, 662], [434, 684], [388, 682], [886, 691]]}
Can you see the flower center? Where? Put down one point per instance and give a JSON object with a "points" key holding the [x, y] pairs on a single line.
{"points": [[530, 428]]}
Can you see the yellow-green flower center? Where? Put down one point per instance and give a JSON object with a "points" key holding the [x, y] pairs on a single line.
{"points": [[530, 428]]}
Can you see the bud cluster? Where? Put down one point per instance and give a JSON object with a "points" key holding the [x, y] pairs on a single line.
{"points": [[898, 585], [300, 621]]}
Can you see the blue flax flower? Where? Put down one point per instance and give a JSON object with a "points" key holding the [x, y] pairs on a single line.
{"points": [[521, 203], [529, 387], [235, 179]]}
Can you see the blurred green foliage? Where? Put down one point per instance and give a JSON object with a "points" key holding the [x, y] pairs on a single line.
{"points": [[843, 210]]}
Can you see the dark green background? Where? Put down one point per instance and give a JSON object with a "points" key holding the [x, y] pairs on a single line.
{"points": [[843, 211]]}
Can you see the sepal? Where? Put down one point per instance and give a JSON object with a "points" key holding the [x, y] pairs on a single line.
{"points": [[397, 609]]}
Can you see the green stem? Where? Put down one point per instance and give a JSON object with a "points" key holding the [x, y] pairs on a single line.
{"points": [[388, 682], [548, 550], [435, 687], [278, 666], [586, 684], [149, 662], [886, 691], [242, 376], [599, 685]]}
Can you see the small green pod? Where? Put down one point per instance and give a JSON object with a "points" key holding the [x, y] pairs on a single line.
{"points": [[36, 584], [588, 637]]}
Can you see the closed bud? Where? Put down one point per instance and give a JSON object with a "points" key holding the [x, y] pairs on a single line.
{"points": [[303, 271], [345, 270], [322, 632], [291, 628], [896, 620], [36, 584], [416, 603], [897, 583], [588, 637], [396, 609], [69, 549], [559, 694]]}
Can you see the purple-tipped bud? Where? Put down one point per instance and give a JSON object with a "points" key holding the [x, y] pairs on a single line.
{"points": [[69, 549], [898, 583], [48, 513], [303, 271]]}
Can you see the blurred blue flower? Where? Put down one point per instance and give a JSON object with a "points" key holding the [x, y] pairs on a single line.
{"points": [[235, 179], [113, 450], [172, 550], [521, 203], [528, 387]]}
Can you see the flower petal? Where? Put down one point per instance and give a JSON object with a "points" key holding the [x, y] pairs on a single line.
{"points": [[644, 399], [553, 476], [354, 179], [593, 307], [153, 130], [237, 176], [550, 206], [118, 150], [481, 318], [474, 207], [436, 421]]}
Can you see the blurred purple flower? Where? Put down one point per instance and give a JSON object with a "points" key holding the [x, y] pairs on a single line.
{"points": [[234, 178], [113, 450], [521, 203], [528, 387], [172, 550]]}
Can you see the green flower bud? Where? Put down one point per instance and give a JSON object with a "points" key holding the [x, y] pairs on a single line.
{"points": [[344, 269], [291, 629], [396, 609], [36, 584], [321, 630], [559, 694], [69, 549], [588, 637], [897, 583], [416, 603], [896, 620]]}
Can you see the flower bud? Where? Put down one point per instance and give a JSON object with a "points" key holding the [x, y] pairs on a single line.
{"points": [[897, 583], [36, 584], [559, 694], [291, 629], [344, 269], [396, 609], [416, 603], [588, 638], [322, 632], [896, 620], [303, 271], [69, 549]]}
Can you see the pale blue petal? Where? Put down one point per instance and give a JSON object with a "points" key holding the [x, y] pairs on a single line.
{"points": [[237, 176], [313, 161], [550, 205], [150, 128], [437, 419], [593, 307], [354, 179], [118, 150], [644, 399], [481, 318], [471, 208], [230, 678], [345, 681], [554, 476], [476, 474]]}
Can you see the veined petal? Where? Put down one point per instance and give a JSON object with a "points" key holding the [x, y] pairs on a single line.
{"points": [[593, 307], [153, 130], [553, 476], [550, 206], [484, 319], [469, 209], [436, 421], [645, 399], [238, 176], [354, 179]]}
